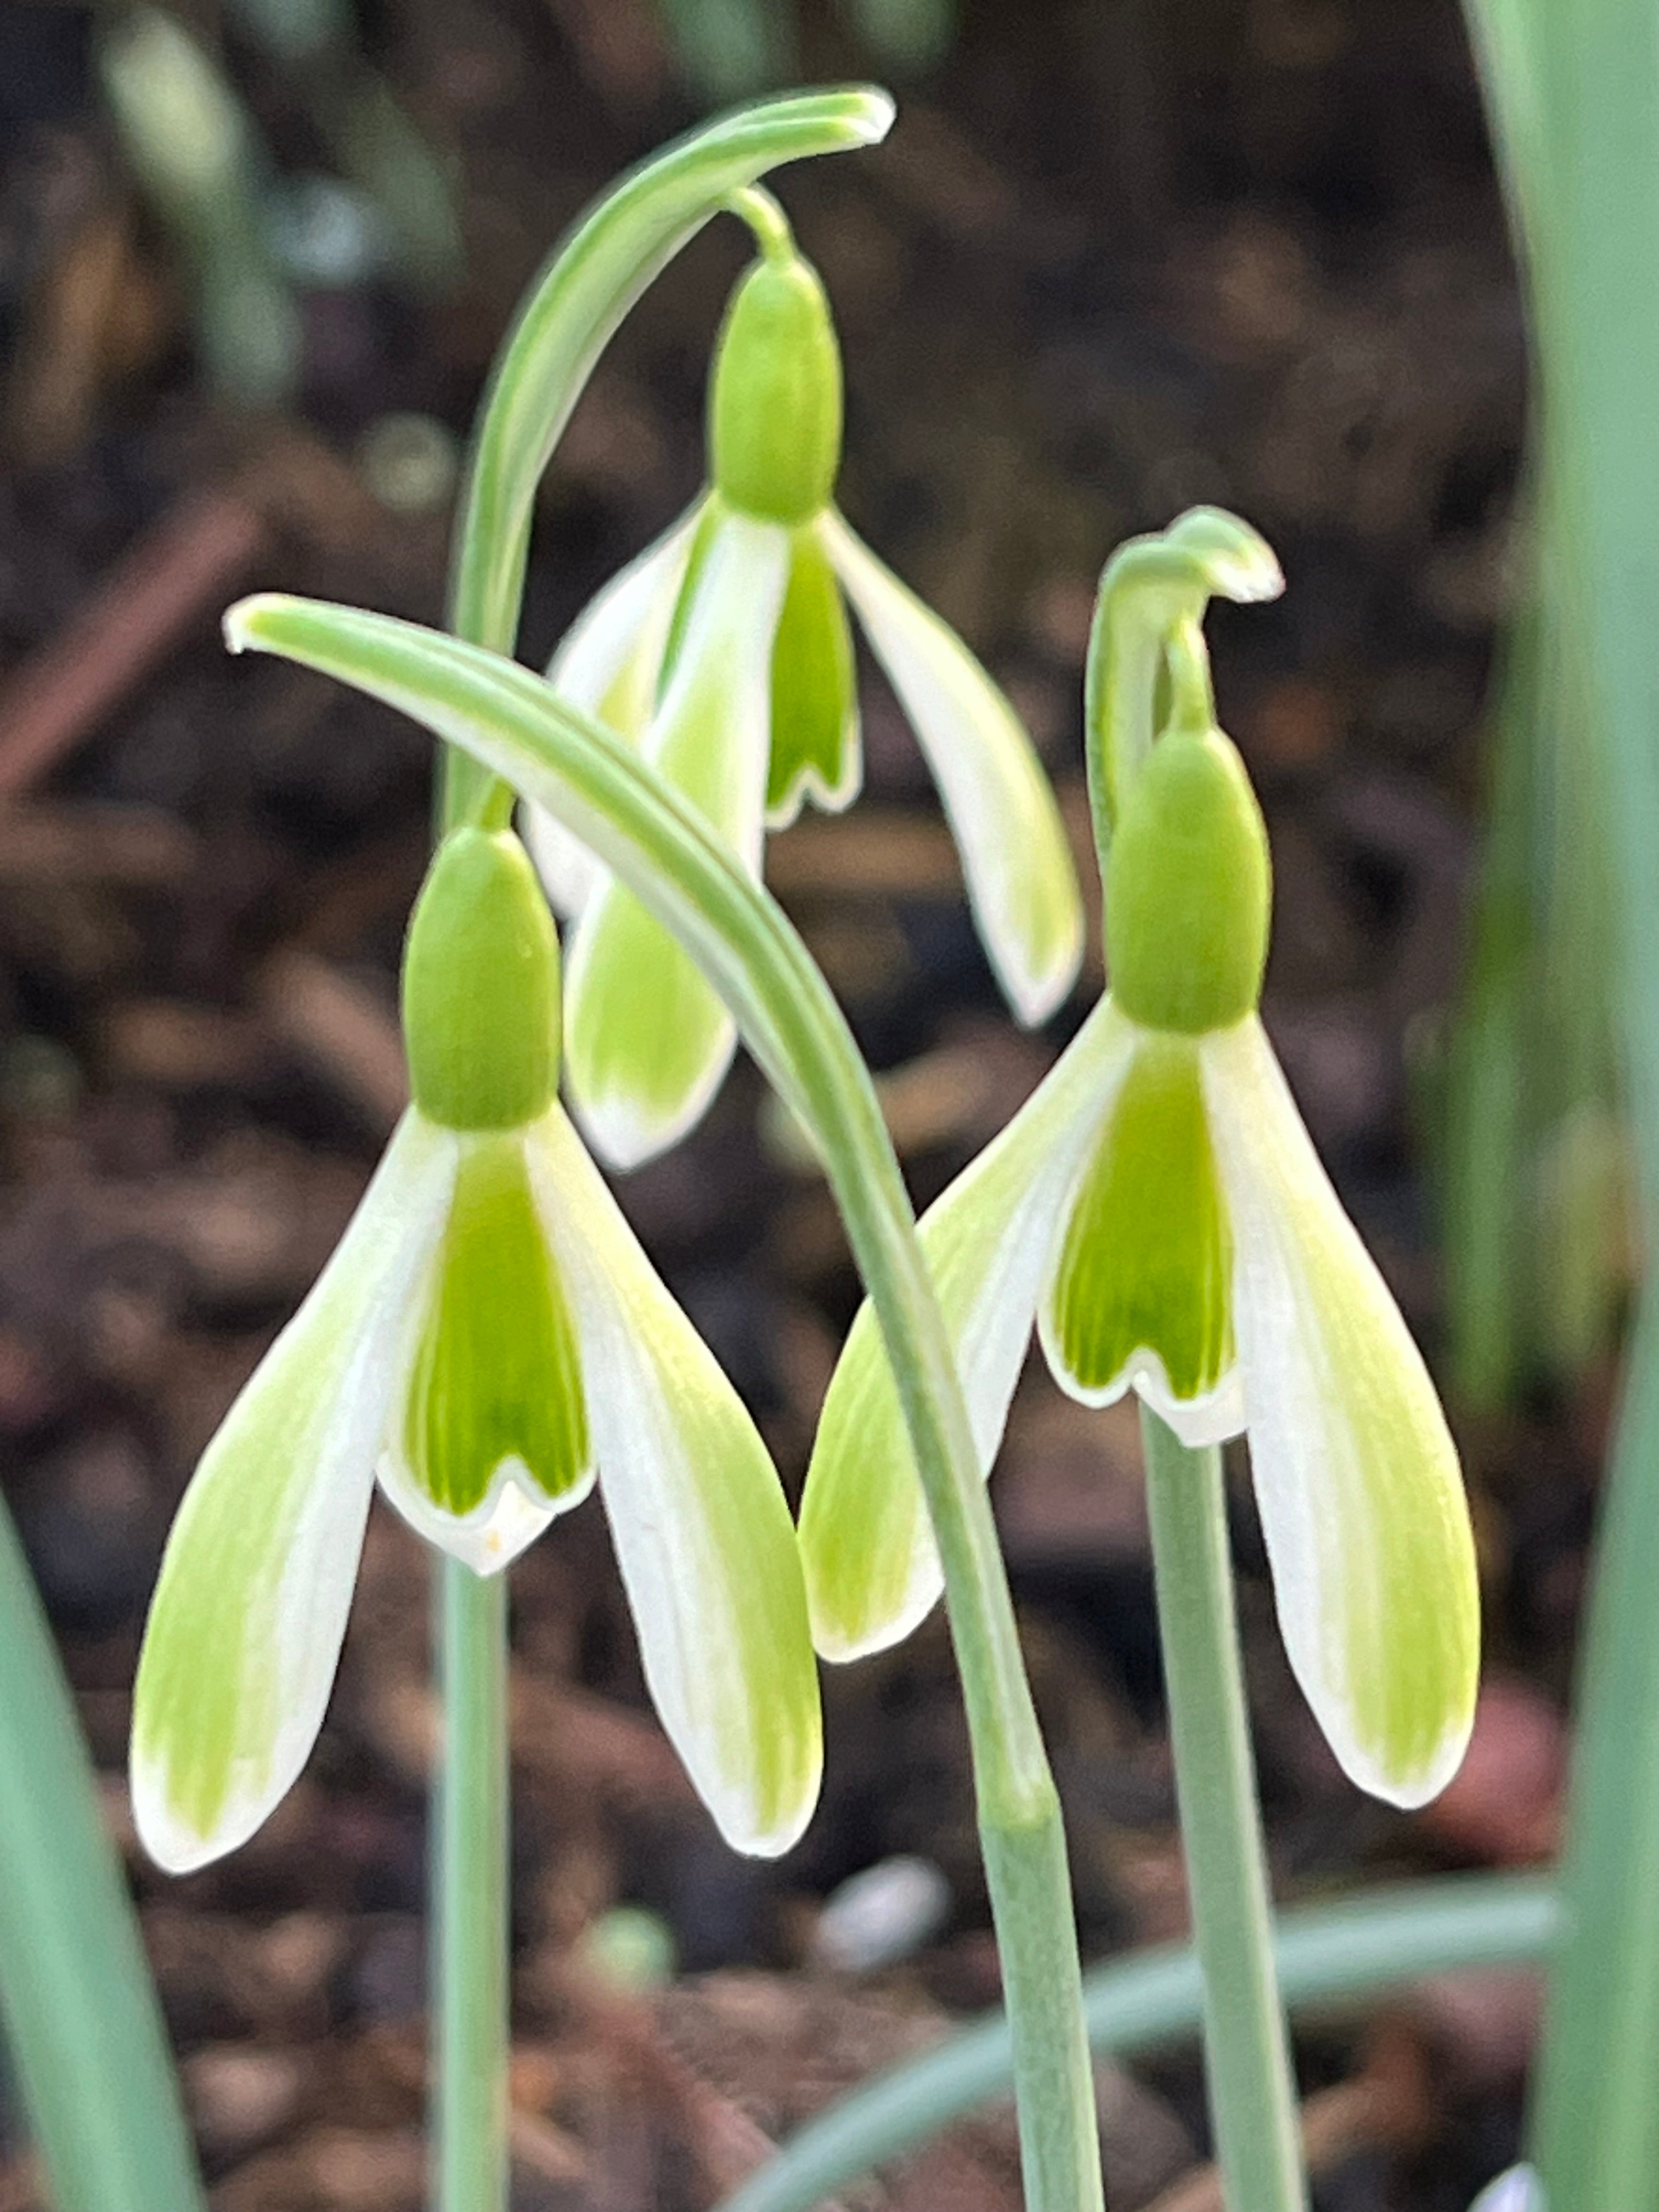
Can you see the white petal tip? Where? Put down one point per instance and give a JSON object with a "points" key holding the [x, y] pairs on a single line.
{"points": [[1518, 2191], [626, 1133], [1410, 1792], [769, 1839], [172, 1842], [1033, 999], [839, 1645]]}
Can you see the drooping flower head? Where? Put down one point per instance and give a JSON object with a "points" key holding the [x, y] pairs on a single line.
{"points": [[488, 1339], [724, 653], [1158, 1209]]}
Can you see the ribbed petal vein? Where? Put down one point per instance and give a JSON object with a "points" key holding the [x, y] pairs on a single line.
{"points": [[1357, 1479], [245, 1629], [703, 1536]]}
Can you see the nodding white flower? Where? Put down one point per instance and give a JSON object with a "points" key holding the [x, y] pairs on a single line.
{"points": [[1158, 1209], [488, 1339], [724, 653]]}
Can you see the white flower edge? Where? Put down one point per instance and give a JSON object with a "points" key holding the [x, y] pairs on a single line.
{"points": [[703, 1536], [1357, 1479], [630, 987], [1015, 859], [872, 1569], [249, 1613]]}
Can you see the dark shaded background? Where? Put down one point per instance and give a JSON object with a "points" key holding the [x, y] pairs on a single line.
{"points": [[1115, 258]]}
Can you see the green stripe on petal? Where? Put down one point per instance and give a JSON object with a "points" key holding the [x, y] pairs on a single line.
{"points": [[1357, 1479], [1016, 860], [703, 1533], [608, 664], [1142, 1292], [815, 713], [244, 1629], [647, 1042], [872, 1572], [496, 1373]]}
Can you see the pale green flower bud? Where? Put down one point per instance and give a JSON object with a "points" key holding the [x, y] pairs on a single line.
{"points": [[775, 398], [1189, 889], [481, 987]]}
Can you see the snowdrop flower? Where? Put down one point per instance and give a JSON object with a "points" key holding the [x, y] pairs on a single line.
{"points": [[1157, 1208], [488, 1339], [724, 653]]}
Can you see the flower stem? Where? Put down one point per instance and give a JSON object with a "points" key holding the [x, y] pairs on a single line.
{"points": [[470, 1913], [659, 846], [1375, 1940], [1253, 2109], [590, 281]]}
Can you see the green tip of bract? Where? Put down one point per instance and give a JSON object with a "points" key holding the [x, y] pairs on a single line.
{"points": [[481, 987], [1189, 889], [1229, 557], [851, 115], [775, 406], [870, 113]]}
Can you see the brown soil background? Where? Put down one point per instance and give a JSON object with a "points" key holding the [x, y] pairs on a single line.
{"points": [[1115, 258]]}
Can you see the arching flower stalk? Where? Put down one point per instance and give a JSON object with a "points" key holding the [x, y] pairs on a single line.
{"points": [[724, 654], [487, 1339], [1157, 1210]]}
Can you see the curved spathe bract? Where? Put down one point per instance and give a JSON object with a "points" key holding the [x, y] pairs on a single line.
{"points": [[244, 1631]]}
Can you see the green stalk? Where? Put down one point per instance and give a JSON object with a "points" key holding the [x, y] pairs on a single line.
{"points": [[1595, 2121], [1323, 1953], [470, 1931], [1573, 85], [658, 844], [591, 280], [78, 2006], [1253, 2108]]}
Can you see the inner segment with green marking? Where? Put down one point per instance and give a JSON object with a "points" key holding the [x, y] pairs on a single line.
{"points": [[1148, 1259], [497, 1373], [814, 692]]}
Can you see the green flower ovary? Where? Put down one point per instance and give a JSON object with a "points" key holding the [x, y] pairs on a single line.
{"points": [[774, 401], [481, 987], [1189, 889], [497, 1371], [1147, 1257]]}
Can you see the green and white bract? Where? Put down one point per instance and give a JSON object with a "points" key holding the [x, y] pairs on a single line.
{"points": [[488, 1339], [1157, 1210], [724, 654]]}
